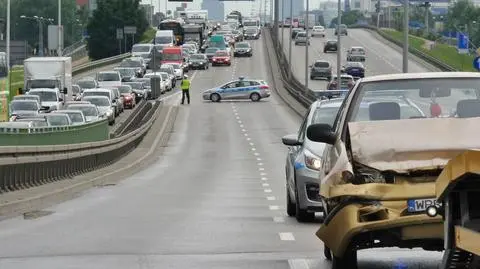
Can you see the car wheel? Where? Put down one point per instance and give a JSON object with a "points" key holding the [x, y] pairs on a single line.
{"points": [[215, 97], [302, 215], [312, 77], [255, 97], [324, 51], [290, 205], [349, 260]]}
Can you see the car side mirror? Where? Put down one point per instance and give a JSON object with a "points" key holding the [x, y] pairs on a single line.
{"points": [[291, 140], [65, 90], [60, 99], [322, 133]]}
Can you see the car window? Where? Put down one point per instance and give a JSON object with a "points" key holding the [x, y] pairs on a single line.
{"points": [[230, 85], [58, 120], [75, 117], [322, 64], [325, 115], [108, 77]]}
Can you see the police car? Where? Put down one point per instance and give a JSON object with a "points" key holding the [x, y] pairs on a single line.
{"points": [[242, 88]]}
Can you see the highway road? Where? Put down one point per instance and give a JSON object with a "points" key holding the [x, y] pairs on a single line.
{"points": [[214, 199], [381, 58]]}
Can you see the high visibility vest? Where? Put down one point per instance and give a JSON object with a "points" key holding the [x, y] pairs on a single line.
{"points": [[185, 84]]}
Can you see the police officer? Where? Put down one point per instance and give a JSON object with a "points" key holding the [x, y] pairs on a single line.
{"points": [[185, 89]]}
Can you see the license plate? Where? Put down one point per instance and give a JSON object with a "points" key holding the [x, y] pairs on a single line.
{"points": [[420, 205]]}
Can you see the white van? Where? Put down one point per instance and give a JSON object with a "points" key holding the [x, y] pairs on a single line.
{"points": [[164, 37]]}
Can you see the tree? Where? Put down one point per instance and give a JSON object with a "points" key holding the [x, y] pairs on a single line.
{"points": [[349, 17], [102, 27], [23, 29]]}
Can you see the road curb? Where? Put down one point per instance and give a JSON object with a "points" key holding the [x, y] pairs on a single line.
{"points": [[164, 122]]}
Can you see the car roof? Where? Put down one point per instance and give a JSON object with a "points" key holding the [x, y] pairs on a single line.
{"points": [[95, 96], [334, 102], [425, 75], [356, 47], [97, 90], [43, 90], [77, 105], [68, 111], [107, 72], [23, 101]]}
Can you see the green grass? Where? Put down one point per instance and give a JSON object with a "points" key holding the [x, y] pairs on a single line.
{"points": [[442, 52], [148, 35]]}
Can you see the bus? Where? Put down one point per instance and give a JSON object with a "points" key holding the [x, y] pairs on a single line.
{"points": [[176, 26], [4, 88]]}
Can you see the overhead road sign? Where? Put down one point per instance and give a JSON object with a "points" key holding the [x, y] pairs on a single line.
{"points": [[462, 43], [130, 30]]}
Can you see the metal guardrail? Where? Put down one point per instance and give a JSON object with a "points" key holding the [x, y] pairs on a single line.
{"points": [[29, 166], [82, 68], [422, 55]]}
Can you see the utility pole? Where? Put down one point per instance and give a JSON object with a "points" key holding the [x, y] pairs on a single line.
{"points": [[60, 37], [307, 27], [339, 45], [405, 36], [290, 38]]}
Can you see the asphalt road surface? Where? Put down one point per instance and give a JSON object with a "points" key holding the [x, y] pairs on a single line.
{"points": [[214, 199], [381, 58]]}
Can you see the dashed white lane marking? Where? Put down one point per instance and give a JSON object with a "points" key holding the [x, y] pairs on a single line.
{"points": [[259, 164], [273, 207], [261, 169], [240, 121], [267, 190], [252, 144], [245, 134], [278, 219], [271, 198], [241, 125], [265, 185], [264, 178], [263, 174], [286, 236], [254, 149], [248, 138], [243, 130], [259, 159], [298, 264], [238, 118]]}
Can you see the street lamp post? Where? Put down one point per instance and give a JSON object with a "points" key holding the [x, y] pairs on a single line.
{"points": [[339, 45], [283, 21], [307, 26], [289, 37], [60, 39], [7, 50], [405, 36], [40, 21]]}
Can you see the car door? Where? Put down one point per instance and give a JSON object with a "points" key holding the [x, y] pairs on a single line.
{"points": [[242, 90], [293, 154], [227, 91]]}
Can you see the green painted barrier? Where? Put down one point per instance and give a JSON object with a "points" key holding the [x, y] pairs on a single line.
{"points": [[62, 135]]}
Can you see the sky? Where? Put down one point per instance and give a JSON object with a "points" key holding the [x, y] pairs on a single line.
{"points": [[242, 6]]}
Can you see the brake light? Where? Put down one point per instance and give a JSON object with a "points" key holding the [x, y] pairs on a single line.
{"points": [[264, 87]]}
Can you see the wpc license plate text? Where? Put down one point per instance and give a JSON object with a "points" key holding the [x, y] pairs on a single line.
{"points": [[419, 205]]}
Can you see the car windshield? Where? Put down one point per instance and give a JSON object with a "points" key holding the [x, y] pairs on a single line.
{"points": [[141, 48], [176, 66], [211, 50], [135, 85], [354, 64], [75, 117], [166, 70], [221, 53], [124, 89], [197, 57], [242, 45], [98, 101], [45, 96], [332, 42], [249, 23], [321, 64], [302, 34], [325, 115], [24, 105], [428, 97], [88, 111], [163, 39], [87, 84], [108, 77], [126, 71], [344, 81], [130, 63], [96, 93], [250, 31], [357, 51], [57, 120], [146, 81], [172, 57]]}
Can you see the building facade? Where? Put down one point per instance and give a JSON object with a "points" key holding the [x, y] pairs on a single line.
{"points": [[216, 9]]}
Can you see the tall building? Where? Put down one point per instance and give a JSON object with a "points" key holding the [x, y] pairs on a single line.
{"points": [[298, 8], [216, 9]]}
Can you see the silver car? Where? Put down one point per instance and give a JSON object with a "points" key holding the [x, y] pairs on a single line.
{"points": [[105, 107], [90, 111], [76, 116], [303, 162], [23, 108], [302, 38], [356, 54], [239, 89]]}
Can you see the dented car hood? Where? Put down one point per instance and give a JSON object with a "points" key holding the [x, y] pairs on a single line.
{"points": [[413, 144]]}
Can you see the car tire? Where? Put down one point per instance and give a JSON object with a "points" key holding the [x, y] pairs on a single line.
{"points": [[215, 97], [312, 77], [324, 51], [302, 215], [255, 97], [349, 260], [290, 205]]}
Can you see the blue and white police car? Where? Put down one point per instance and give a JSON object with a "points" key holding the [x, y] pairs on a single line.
{"points": [[242, 88]]}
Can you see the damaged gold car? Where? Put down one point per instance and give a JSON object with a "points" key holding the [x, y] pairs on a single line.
{"points": [[386, 149]]}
